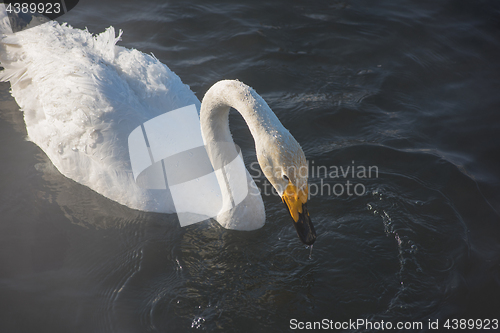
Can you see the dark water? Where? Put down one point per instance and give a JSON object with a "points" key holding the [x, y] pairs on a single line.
{"points": [[410, 88]]}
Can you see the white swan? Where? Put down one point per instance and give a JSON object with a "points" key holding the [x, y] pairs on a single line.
{"points": [[82, 96]]}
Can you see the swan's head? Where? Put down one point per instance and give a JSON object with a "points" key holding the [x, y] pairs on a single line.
{"points": [[284, 164]]}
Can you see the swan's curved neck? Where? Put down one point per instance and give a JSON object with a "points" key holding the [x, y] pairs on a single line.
{"points": [[276, 150], [265, 127], [262, 122]]}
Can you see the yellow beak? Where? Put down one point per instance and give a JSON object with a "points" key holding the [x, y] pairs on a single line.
{"points": [[296, 201]]}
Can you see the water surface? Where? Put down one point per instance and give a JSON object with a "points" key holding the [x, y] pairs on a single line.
{"points": [[410, 87]]}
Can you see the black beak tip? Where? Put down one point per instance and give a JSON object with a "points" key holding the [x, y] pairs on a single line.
{"points": [[305, 228]]}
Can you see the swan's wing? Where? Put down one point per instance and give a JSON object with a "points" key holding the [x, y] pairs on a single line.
{"points": [[82, 96]]}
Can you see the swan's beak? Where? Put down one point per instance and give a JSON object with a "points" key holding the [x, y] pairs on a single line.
{"points": [[296, 202]]}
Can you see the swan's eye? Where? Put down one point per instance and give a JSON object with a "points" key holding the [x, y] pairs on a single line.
{"points": [[285, 177]]}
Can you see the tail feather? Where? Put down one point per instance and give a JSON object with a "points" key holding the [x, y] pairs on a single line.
{"points": [[106, 41], [12, 72]]}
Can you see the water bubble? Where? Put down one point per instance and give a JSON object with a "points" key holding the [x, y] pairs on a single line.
{"points": [[179, 266], [197, 322], [84, 119], [60, 148], [93, 137], [94, 134]]}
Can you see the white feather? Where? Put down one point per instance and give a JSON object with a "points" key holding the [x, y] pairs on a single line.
{"points": [[83, 95]]}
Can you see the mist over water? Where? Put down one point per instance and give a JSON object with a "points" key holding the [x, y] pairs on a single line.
{"points": [[409, 87]]}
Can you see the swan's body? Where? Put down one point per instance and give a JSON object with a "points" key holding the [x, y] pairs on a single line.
{"points": [[82, 96]]}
